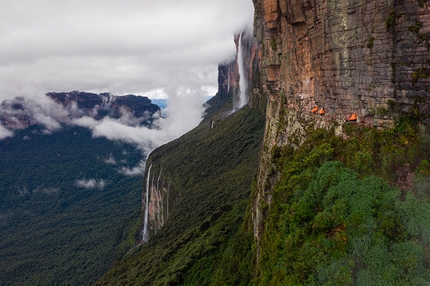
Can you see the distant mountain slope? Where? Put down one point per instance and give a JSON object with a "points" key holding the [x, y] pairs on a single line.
{"points": [[207, 174], [62, 202], [66, 192]]}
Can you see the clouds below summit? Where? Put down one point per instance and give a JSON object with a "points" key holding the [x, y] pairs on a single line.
{"points": [[141, 47], [184, 114]]}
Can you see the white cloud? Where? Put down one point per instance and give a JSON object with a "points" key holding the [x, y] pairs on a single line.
{"points": [[134, 47], [185, 112], [90, 184], [47, 191], [134, 171], [110, 160], [5, 132], [22, 191], [20, 112]]}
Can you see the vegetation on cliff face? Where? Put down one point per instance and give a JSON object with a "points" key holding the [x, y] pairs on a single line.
{"points": [[338, 223], [333, 227], [210, 173]]}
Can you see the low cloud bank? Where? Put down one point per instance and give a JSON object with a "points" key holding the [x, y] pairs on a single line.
{"points": [[47, 191], [134, 171], [20, 113], [23, 191], [4, 133], [184, 111]]}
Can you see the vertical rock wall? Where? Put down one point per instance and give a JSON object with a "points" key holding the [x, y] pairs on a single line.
{"points": [[365, 57], [160, 199]]}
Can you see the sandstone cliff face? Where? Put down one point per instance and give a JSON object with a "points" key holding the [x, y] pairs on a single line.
{"points": [[370, 58], [158, 200]]}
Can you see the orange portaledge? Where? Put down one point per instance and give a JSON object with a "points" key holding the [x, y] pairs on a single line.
{"points": [[353, 117]]}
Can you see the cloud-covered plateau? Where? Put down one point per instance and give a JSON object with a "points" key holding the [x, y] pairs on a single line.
{"points": [[184, 111]]}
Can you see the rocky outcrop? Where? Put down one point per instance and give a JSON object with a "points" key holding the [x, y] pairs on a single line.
{"points": [[343, 57]]}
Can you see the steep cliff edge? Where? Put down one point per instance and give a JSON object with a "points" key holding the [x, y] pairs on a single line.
{"points": [[320, 63], [345, 57]]}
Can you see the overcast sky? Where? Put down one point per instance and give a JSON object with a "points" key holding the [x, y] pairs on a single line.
{"points": [[146, 47]]}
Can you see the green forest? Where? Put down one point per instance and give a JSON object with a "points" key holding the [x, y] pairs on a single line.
{"points": [[337, 216], [54, 232]]}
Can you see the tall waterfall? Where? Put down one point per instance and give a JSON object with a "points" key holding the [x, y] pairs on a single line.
{"points": [[243, 85], [145, 234]]}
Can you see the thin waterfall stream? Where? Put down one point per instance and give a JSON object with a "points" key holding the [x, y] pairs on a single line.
{"points": [[145, 235]]}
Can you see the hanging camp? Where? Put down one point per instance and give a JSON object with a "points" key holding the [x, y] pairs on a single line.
{"points": [[353, 118]]}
